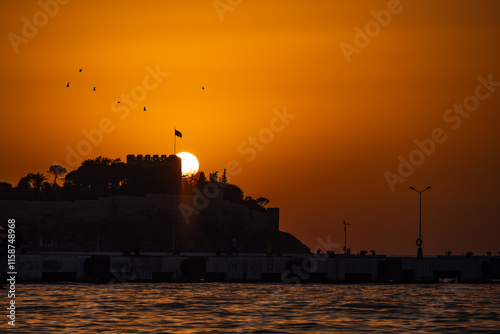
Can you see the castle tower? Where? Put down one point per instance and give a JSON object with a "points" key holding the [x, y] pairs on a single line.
{"points": [[168, 168]]}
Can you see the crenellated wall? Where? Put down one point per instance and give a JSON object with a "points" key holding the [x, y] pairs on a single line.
{"points": [[148, 160]]}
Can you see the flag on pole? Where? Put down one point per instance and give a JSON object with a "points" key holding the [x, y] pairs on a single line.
{"points": [[178, 133]]}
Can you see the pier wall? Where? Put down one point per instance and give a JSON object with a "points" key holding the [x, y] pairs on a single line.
{"points": [[288, 269]]}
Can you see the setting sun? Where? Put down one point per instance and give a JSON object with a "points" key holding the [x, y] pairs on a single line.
{"points": [[190, 164]]}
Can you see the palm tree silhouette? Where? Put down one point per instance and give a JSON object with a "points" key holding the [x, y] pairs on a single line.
{"points": [[57, 171], [37, 180]]}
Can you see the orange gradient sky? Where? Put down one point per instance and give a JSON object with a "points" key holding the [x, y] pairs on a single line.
{"points": [[352, 116]]}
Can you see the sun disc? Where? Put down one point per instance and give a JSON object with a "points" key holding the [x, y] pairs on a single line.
{"points": [[190, 164]]}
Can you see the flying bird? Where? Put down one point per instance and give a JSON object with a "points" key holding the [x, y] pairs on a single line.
{"points": [[118, 102], [80, 70], [202, 87], [94, 88], [67, 85], [144, 108]]}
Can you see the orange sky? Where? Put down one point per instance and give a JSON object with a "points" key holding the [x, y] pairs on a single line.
{"points": [[353, 116]]}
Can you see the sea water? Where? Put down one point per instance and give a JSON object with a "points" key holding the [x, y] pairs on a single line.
{"points": [[255, 308]]}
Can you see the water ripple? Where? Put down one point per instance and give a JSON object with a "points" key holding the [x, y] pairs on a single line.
{"points": [[257, 308]]}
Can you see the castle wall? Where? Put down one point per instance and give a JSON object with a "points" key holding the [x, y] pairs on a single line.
{"points": [[269, 219], [88, 210], [79, 225]]}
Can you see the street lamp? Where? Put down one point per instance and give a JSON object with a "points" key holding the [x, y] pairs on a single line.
{"points": [[419, 240], [345, 237]]}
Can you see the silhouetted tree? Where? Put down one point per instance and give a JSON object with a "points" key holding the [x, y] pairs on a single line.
{"points": [[223, 178], [134, 180], [189, 181], [262, 201], [45, 186], [254, 204], [202, 180], [101, 161], [117, 174], [192, 181], [32, 181], [57, 171], [233, 193], [38, 180], [214, 176], [96, 177], [24, 183]]}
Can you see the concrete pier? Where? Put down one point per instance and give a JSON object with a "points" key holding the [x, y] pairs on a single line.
{"points": [[199, 267]]}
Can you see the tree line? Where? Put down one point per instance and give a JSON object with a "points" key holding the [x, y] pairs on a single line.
{"points": [[102, 177], [230, 192]]}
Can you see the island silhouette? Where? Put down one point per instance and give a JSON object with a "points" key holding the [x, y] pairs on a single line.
{"points": [[141, 205]]}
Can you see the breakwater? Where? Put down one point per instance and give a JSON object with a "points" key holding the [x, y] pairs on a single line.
{"points": [[303, 268]]}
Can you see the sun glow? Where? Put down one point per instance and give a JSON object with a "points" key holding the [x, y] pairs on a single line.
{"points": [[190, 164]]}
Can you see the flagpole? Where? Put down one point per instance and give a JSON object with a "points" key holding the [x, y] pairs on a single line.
{"points": [[173, 209]]}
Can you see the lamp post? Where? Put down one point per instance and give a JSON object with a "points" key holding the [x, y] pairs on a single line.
{"points": [[345, 237], [419, 240]]}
